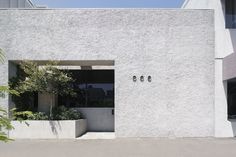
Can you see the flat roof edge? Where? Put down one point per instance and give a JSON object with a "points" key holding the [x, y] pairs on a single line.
{"points": [[100, 9]]}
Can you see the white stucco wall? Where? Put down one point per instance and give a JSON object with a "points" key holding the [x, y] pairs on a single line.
{"points": [[175, 47], [225, 45], [98, 119], [225, 38]]}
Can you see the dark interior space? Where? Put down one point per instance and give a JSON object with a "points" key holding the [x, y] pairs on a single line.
{"points": [[231, 98], [93, 88], [230, 13]]}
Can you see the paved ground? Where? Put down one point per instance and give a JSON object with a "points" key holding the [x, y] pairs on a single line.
{"points": [[120, 148]]}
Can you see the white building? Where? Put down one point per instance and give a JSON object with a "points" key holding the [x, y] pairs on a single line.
{"points": [[166, 64], [19, 4], [225, 42]]}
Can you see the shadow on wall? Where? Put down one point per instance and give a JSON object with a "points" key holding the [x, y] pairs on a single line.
{"points": [[233, 38], [233, 124], [99, 119], [54, 126]]}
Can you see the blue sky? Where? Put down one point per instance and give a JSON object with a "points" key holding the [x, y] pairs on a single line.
{"points": [[110, 3]]}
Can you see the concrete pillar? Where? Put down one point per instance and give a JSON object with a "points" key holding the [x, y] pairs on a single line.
{"points": [[45, 101]]}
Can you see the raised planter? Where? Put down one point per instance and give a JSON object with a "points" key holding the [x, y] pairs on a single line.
{"points": [[64, 129]]}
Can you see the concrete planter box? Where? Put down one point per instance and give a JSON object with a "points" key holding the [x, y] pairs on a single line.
{"points": [[65, 129]]}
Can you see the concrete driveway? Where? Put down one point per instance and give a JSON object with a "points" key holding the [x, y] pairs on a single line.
{"points": [[145, 147]]}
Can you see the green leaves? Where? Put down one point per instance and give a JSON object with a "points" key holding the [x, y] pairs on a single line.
{"points": [[28, 115], [63, 113], [6, 89], [44, 79], [5, 124], [4, 138], [23, 115], [58, 113]]}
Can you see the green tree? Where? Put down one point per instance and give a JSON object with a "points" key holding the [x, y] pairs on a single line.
{"points": [[44, 79], [5, 121]]}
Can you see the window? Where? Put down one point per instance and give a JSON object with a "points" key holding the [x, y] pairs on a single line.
{"points": [[94, 88], [230, 13], [231, 92]]}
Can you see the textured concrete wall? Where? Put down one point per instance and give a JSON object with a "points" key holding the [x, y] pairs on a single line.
{"points": [[175, 47], [225, 44], [69, 129], [225, 39]]}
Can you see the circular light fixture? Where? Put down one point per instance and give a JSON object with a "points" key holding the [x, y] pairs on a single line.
{"points": [[149, 79], [134, 78], [142, 78]]}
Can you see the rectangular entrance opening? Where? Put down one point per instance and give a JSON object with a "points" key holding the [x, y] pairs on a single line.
{"points": [[94, 87], [94, 98]]}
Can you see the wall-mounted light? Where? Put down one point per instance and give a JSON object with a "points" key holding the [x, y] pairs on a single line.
{"points": [[134, 78], [149, 79], [142, 78]]}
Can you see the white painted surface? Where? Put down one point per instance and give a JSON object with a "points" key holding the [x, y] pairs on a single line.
{"points": [[175, 47], [225, 38], [48, 129], [225, 45], [223, 127], [98, 119]]}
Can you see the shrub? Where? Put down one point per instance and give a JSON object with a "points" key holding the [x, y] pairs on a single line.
{"points": [[58, 113], [63, 113], [28, 115], [5, 124], [23, 115], [32, 79], [39, 116]]}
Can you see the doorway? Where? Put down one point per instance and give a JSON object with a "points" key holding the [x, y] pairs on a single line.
{"points": [[94, 98]]}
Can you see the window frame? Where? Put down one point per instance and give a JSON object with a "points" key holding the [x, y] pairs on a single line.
{"points": [[230, 14], [86, 75]]}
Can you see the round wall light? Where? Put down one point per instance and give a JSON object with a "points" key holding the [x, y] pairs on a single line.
{"points": [[134, 78], [142, 78], [149, 79]]}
